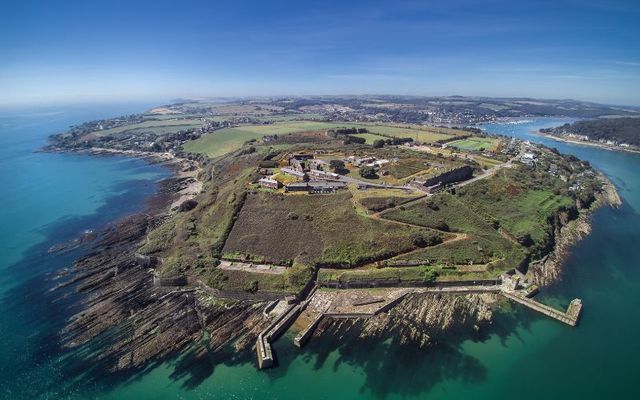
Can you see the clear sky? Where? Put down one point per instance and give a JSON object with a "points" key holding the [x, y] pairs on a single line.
{"points": [[85, 50]]}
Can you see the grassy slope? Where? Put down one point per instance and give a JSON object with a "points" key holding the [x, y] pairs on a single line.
{"points": [[475, 143], [327, 230], [519, 203], [370, 137], [230, 139], [227, 140], [157, 126], [483, 244]]}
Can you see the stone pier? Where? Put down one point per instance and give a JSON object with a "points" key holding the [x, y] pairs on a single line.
{"points": [[570, 317], [303, 337]]}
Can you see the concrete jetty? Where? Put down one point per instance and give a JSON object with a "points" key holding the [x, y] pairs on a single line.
{"points": [[276, 328], [303, 337], [570, 317], [280, 324]]}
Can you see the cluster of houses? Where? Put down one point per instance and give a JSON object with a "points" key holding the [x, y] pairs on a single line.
{"points": [[529, 159], [311, 176], [585, 138], [368, 161]]}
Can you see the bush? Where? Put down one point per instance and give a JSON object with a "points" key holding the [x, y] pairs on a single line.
{"points": [[367, 172], [298, 275], [429, 275], [187, 205], [378, 143], [425, 239], [441, 225], [525, 240], [338, 166], [354, 139], [251, 286], [216, 279]]}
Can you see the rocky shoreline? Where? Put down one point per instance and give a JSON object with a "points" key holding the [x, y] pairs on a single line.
{"points": [[135, 322], [131, 319], [549, 270], [423, 319]]}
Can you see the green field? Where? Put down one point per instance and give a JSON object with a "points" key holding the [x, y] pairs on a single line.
{"points": [[483, 243], [518, 208], [369, 137], [221, 142], [160, 127], [227, 140], [425, 134], [324, 229], [475, 143]]}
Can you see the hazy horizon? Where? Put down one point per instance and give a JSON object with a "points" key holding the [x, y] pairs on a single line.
{"points": [[71, 52]]}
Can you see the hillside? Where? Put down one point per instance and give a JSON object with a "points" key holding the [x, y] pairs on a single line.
{"points": [[619, 130]]}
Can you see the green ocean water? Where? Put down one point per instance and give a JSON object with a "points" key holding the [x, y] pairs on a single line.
{"points": [[523, 355]]}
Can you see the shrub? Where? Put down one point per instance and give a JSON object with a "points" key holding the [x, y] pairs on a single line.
{"points": [[367, 172], [298, 275], [338, 166], [187, 205], [441, 225], [429, 275], [425, 239], [216, 279], [251, 286]]}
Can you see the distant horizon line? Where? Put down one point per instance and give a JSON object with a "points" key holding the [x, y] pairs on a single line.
{"points": [[167, 100]]}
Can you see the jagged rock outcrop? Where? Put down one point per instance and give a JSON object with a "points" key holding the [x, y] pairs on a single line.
{"points": [[420, 319], [132, 321]]}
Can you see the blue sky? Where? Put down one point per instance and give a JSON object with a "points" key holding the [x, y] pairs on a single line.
{"points": [[145, 50]]}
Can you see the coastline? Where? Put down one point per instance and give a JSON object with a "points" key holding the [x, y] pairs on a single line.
{"points": [[133, 320], [114, 276], [183, 169], [550, 269], [583, 143]]}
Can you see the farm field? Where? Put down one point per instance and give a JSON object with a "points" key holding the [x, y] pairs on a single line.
{"points": [[229, 139], [323, 229], [482, 244], [221, 142], [226, 140], [421, 134], [160, 127], [474, 143], [369, 137], [292, 127], [518, 208], [375, 200]]}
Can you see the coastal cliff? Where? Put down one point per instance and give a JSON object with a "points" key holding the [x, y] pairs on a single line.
{"points": [[549, 269]]}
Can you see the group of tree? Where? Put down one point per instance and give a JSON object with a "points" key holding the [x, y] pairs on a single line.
{"points": [[368, 172], [349, 139], [345, 131], [338, 167], [622, 130]]}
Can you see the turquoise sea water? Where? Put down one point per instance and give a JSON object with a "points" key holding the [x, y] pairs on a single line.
{"points": [[50, 197]]}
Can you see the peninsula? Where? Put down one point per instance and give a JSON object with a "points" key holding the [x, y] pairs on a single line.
{"points": [[319, 212], [620, 133]]}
